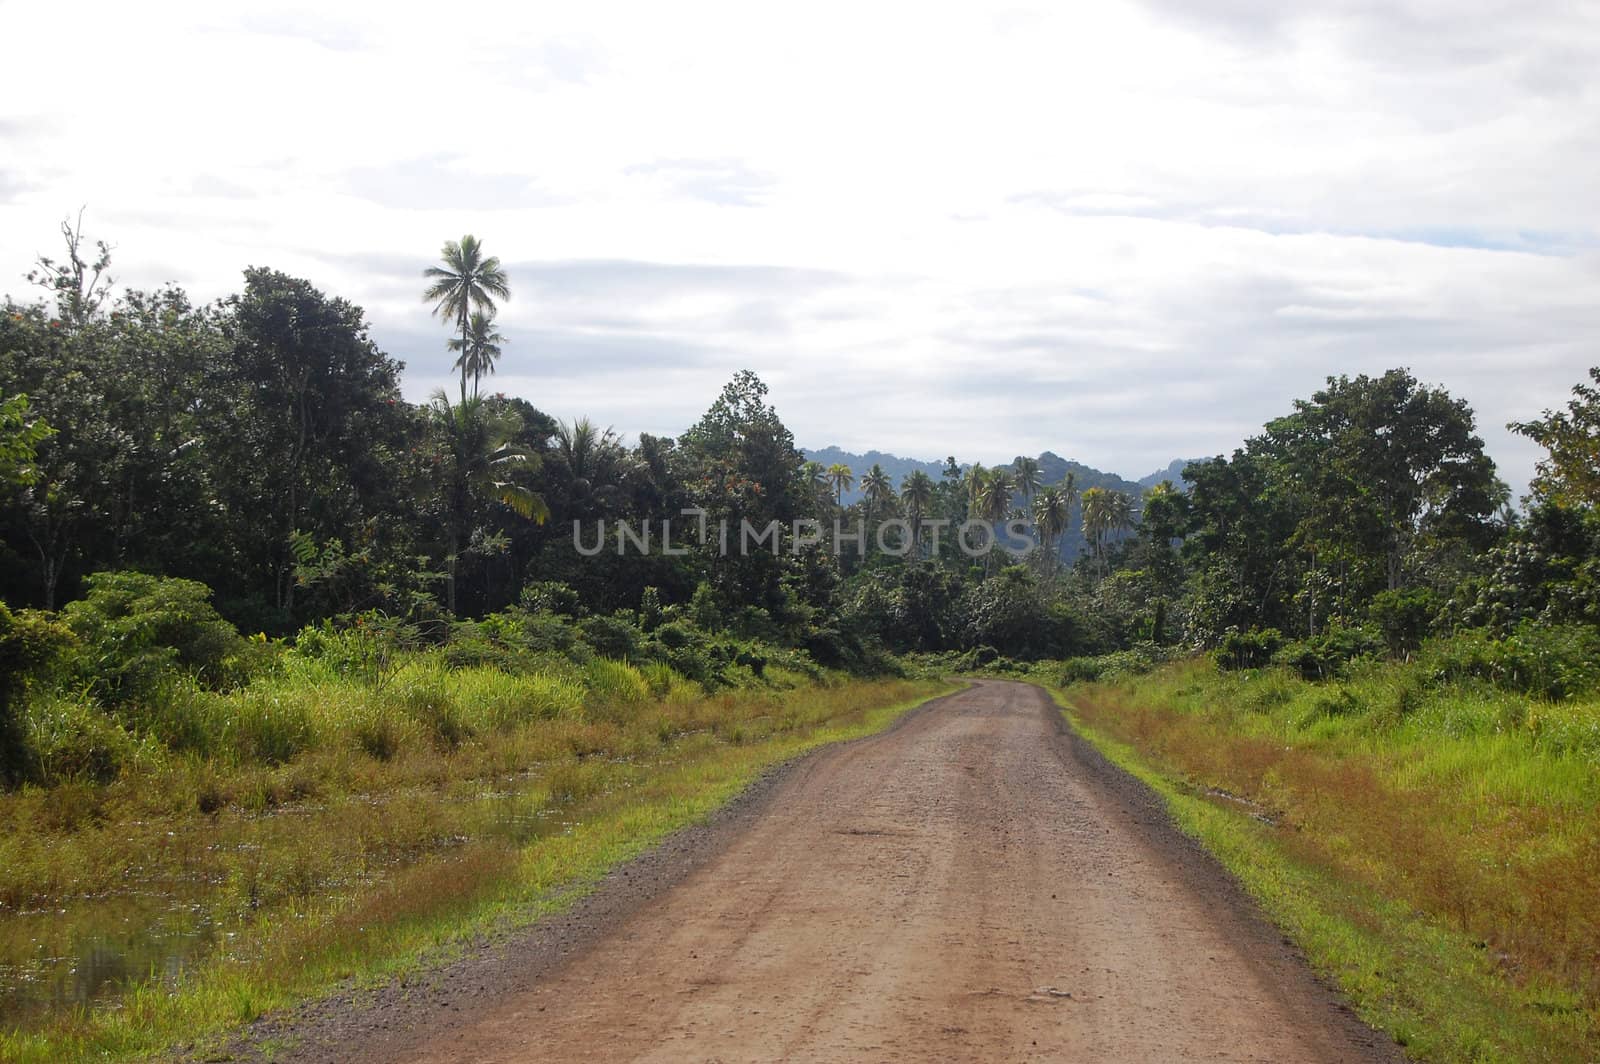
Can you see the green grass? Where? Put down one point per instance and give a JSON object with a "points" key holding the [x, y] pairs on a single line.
{"points": [[1431, 846], [358, 858]]}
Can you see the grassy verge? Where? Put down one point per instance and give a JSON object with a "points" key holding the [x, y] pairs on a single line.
{"points": [[341, 865], [1428, 846]]}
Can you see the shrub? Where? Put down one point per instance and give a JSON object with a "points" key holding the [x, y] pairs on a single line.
{"points": [[1325, 657], [138, 630], [73, 739], [550, 596], [610, 637], [1550, 661], [1404, 617], [369, 647], [1248, 650], [30, 643]]}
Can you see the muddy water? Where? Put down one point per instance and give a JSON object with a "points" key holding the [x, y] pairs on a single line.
{"points": [[175, 914]]}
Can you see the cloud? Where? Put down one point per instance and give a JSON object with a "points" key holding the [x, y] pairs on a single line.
{"points": [[725, 182], [1124, 232]]}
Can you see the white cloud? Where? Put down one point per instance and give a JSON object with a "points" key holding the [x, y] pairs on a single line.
{"points": [[1125, 232]]}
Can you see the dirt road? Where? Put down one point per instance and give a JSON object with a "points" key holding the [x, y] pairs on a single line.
{"points": [[975, 884]]}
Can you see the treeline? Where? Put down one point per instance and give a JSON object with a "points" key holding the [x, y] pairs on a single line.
{"points": [[259, 445]]}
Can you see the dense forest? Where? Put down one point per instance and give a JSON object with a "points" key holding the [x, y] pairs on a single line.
{"points": [[255, 456]]}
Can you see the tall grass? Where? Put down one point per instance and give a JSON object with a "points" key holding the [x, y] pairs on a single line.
{"points": [[1476, 808], [334, 828]]}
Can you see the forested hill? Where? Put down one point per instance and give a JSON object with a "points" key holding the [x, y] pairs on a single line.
{"points": [[1053, 469]]}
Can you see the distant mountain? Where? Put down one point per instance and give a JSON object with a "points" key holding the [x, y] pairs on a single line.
{"points": [[1053, 469], [1173, 472], [898, 468]]}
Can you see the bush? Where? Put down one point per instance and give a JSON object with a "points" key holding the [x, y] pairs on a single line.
{"points": [[73, 739], [30, 643], [1325, 657], [1248, 650], [369, 647], [1135, 661], [1550, 661], [550, 596], [1404, 617], [610, 637], [139, 630]]}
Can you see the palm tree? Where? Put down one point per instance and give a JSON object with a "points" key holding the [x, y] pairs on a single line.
{"points": [[842, 479], [1104, 514], [815, 478], [480, 458], [465, 281], [994, 496], [1026, 471], [589, 457], [973, 482], [481, 348], [1052, 511], [916, 494], [879, 490]]}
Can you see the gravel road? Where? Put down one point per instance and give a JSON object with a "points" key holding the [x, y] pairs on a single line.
{"points": [[975, 884]]}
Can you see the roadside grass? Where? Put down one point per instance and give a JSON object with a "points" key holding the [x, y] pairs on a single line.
{"points": [[1433, 847], [358, 860]]}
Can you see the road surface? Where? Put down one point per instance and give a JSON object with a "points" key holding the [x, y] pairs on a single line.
{"points": [[975, 884]]}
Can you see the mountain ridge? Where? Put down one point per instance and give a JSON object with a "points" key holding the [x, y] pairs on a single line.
{"points": [[1053, 469]]}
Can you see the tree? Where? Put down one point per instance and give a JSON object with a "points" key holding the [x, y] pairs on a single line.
{"points": [[974, 480], [314, 432], [1026, 474], [1385, 469], [879, 491], [20, 436], [1570, 473], [479, 351], [1052, 515], [994, 496], [79, 285], [1105, 514], [740, 463], [815, 476], [480, 460], [842, 479], [467, 280], [916, 494], [589, 460]]}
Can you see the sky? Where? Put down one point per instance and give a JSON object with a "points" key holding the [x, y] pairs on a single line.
{"points": [[1122, 232]]}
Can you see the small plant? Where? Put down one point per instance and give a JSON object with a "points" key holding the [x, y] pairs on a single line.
{"points": [[1248, 650]]}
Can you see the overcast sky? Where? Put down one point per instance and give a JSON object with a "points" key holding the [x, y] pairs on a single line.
{"points": [[1125, 232]]}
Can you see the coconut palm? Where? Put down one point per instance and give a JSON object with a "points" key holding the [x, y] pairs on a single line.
{"points": [[814, 475], [994, 495], [1026, 473], [589, 459], [916, 495], [480, 458], [993, 502], [879, 490], [842, 479], [480, 350], [1052, 511], [466, 280], [973, 483], [1105, 513]]}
